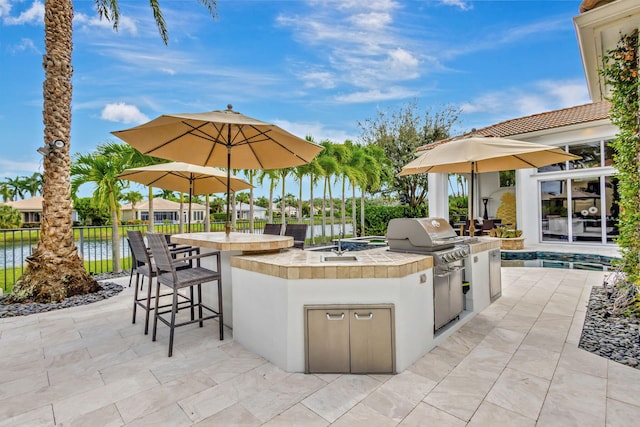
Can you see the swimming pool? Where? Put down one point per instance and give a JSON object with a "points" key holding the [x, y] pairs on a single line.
{"points": [[558, 260]]}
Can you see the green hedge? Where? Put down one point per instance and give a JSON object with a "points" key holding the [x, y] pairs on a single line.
{"points": [[376, 218]]}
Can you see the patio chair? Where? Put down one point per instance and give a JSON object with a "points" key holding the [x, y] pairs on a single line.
{"points": [[273, 229], [169, 275], [144, 266], [298, 232]]}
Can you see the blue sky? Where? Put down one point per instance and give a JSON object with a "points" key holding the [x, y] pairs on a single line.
{"points": [[313, 67]]}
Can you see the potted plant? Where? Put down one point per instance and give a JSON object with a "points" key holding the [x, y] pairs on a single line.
{"points": [[510, 239]]}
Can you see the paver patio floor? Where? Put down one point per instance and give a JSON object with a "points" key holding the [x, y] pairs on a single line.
{"points": [[516, 363]]}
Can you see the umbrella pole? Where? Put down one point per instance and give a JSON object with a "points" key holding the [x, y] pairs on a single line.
{"points": [[472, 221], [227, 225], [190, 195]]}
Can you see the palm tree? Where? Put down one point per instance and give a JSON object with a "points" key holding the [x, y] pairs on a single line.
{"points": [[5, 191], [33, 184], [250, 174], [102, 170], [54, 270], [330, 168], [283, 200], [16, 187], [134, 198], [376, 171], [272, 174]]}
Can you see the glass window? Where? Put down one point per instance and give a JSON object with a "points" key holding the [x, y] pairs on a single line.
{"points": [[608, 153], [554, 210], [590, 153], [612, 209], [507, 178]]}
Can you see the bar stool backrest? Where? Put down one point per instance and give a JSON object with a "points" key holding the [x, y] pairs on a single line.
{"points": [[161, 254], [273, 229], [138, 248]]}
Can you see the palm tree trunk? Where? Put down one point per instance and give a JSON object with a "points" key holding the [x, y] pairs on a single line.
{"points": [[234, 211], [207, 214], [251, 214], [115, 236], [363, 232], [332, 219], [181, 220], [312, 211], [354, 214], [324, 212], [283, 205], [151, 226], [343, 212], [54, 270], [271, 187]]}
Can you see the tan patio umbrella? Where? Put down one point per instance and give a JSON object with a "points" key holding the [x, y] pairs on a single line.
{"points": [[222, 138], [477, 154], [185, 178]]}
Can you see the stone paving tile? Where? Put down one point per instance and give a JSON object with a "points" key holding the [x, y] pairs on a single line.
{"points": [[298, 415], [363, 416], [436, 417], [170, 415], [519, 392], [338, 397], [575, 398], [107, 416], [42, 416], [535, 360], [102, 370], [623, 383], [489, 414], [235, 415], [621, 414]]}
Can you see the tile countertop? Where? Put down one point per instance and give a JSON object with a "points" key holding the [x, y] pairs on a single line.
{"points": [[374, 263], [298, 264]]}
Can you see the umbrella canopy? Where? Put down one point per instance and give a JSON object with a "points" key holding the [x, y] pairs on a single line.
{"points": [[476, 154], [185, 178], [223, 138]]}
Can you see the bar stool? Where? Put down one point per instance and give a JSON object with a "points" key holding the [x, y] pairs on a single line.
{"points": [[169, 275], [144, 266]]}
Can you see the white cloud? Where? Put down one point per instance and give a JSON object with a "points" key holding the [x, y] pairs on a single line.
{"points": [[462, 4], [322, 79], [25, 45], [123, 113], [33, 15], [85, 22], [11, 168], [360, 42], [316, 130], [5, 8], [535, 98], [374, 95]]}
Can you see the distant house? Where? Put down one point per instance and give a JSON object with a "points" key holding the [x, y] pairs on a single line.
{"points": [[163, 210], [242, 211], [31, 209]]}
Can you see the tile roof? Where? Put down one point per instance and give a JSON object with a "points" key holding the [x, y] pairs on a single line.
{"points": [[162, 204], [537, 122], [33, 204]]}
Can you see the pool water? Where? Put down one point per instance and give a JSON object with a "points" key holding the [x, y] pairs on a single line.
{"points": [[558, 260]]}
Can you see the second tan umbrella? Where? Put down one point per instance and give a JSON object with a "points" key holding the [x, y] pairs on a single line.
{"points": [[185, 178], [476, 154]]}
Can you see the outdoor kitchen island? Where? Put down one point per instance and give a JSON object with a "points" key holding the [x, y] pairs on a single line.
{"points": [[288, 307]]}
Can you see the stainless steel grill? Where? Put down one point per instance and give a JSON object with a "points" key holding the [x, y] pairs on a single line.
{"points": [[429, 236], [435, 237]]}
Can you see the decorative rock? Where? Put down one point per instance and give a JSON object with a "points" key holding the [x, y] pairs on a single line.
{"points": [[108, 290], [608, 335]]}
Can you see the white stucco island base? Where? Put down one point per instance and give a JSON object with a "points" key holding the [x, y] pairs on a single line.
{"points": [[270, 292]]}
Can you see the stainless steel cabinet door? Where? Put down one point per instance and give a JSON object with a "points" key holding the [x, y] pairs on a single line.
{"points": [[371, 341], [328, 341]]}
